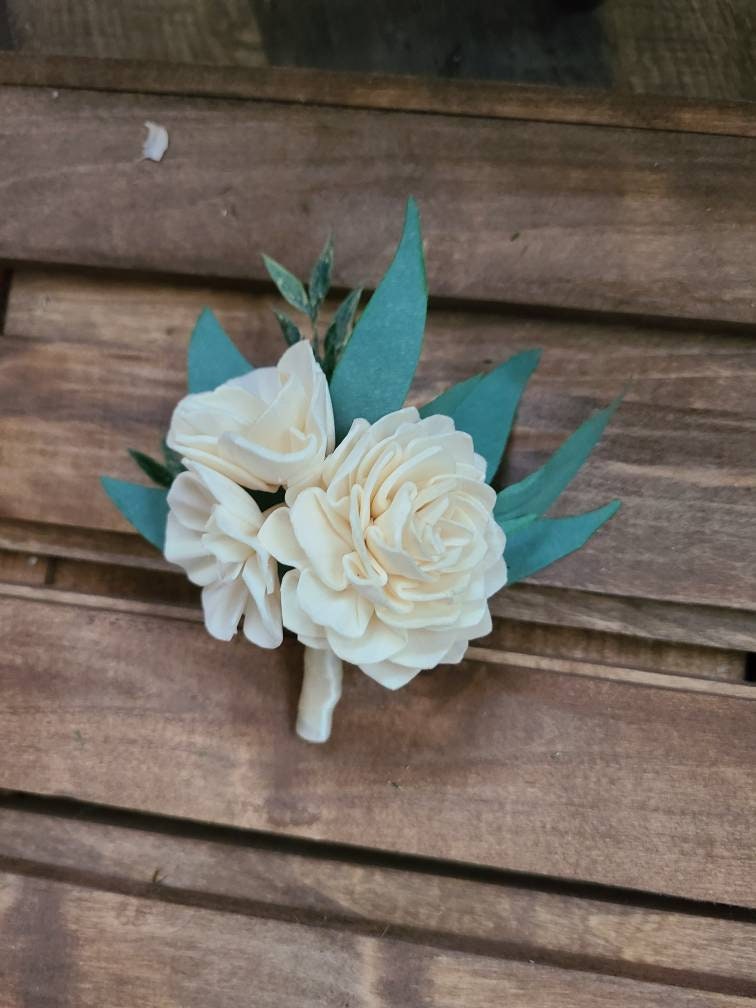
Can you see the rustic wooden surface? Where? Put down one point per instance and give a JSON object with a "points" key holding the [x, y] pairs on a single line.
{"points": [[695, 48], [177, 31], [554, 214], [565, 819], [375, 897], [384, 91], [505, 766]]}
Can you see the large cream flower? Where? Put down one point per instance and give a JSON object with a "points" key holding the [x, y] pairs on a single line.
{"points": [[212, 532], [395, 552], [272, 427]]}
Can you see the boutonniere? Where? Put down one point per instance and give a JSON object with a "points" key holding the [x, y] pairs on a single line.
{"points": [[307, 496]]}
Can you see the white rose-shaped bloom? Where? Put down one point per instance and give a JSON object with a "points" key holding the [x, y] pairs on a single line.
{"points": [[272, 427], [212, 532], [396, 552]]}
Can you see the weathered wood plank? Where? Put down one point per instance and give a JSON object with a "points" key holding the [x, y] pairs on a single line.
{"points": [[487, 99], [679, 453], [519, 769], [606, 219], [498, 917], [179, 31], [701, 48], [22, 568], [112, 584], [707, 626], [74, 942]]}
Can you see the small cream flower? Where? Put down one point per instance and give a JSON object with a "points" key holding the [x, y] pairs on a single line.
{"points": [[272, 427], [212, 532], [396, 552]]}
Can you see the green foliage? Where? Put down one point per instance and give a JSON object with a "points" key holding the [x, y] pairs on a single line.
{"points": [[340, 330], [375, 371], [538, 491], [154, 470], [320, 279], [485, 406], [448, 401], [290, 332], [291, 289], [212, 358], [145, 507], [542, 542]]}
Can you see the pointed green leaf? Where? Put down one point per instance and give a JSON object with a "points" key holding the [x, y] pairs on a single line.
{"points": [[487, 413], [375, 371], [538, 491], [291, 289], [145, 507], [320, 278], [290, 332], [451, 399], [340, 329], [540, 543], [154, 470], [512, 524], [213, 359]]}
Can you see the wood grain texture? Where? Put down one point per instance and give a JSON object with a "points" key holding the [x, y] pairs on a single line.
{"points": [[23, 568], [618, 221], [707, 626], [610, 649], [179, 31], [100, 944], [496, 100], [248, 875], [679, 453], [703, 48], [517, 769], [108, 586]]}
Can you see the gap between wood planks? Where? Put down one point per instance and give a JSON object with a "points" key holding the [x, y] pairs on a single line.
{"points": [[376, 894], [341, 89], [43, 589]]}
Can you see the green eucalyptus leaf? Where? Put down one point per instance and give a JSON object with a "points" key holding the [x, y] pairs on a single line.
{"points": [[542, 542], [375, 371], [154, 470], [512, 524], [291, 289], [538, 491], [488, 411], [212, 359], [340, 329], [451, 399], [290, 332], [320, 279], [145, 507]]}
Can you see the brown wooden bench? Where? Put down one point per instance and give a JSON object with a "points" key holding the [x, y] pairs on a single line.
{"points": [[565, 819]]}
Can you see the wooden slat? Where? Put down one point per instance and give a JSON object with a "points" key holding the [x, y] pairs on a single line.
{"points": [[707, 626], [520, 769], [487, 99], [188, 31], [606, 219], [679, 453], [74, 942], [110, 585], [22, 568], [498, 917], [604, 648]]}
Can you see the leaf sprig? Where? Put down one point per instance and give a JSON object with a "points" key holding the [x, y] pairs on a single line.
{"points": [[308, 300]]}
